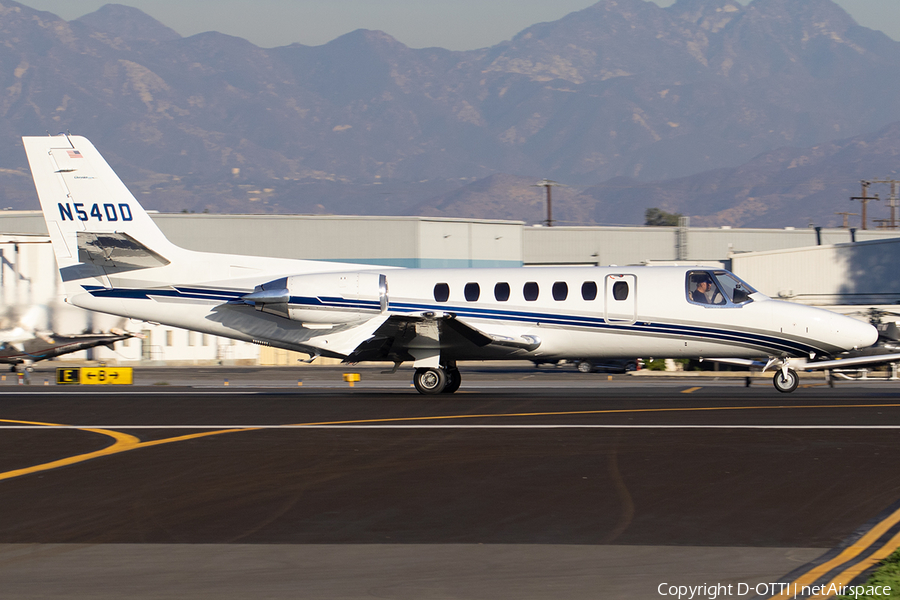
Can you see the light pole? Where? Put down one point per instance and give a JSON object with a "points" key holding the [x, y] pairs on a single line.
{"points": [[547, 183]]}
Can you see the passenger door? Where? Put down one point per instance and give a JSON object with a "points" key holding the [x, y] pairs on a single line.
{"points": [[621, 298]]}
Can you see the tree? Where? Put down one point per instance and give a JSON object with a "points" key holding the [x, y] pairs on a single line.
{"points": [[660, 218]]}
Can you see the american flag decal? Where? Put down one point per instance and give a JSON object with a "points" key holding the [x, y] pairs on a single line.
{"points": [[75, 154]]}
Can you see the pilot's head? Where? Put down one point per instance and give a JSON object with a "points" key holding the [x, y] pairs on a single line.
{"points": [[703, 281]]}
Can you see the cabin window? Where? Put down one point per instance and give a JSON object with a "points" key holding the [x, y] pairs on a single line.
{"points": [[441, 292], [589, 290], [620, 290], [501, 292], [560, 290], [472, 292], [531, 291]]}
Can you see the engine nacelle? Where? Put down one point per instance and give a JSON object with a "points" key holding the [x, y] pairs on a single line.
{"points": [[323, 299]]}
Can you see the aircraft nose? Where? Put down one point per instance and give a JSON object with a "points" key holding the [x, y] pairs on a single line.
{"points": [[859, 334]]}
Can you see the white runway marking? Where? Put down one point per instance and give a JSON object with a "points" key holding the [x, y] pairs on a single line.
{"points": [[187, 388], [451, 426], [115, 392]]}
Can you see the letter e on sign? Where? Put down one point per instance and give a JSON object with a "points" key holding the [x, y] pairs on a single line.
{"points": [[66, 376]]}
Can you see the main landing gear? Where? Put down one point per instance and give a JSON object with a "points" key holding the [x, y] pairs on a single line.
{"points": [[437, 380]]}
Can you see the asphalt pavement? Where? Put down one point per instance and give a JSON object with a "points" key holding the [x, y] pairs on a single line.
{"points": [[524, 484]]}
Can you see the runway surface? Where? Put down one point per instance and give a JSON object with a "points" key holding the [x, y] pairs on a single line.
{"points": [[518, 486]]}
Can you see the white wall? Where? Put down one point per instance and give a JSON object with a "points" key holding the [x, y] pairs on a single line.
{"points": [[31, 295], [860, 273]]}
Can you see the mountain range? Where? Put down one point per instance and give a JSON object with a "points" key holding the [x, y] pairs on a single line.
{"points": [[725, 112]]}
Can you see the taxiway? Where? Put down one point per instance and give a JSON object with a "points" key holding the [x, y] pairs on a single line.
{"points": [[506, 490]]}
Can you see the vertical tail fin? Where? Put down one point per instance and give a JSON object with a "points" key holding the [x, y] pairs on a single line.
{"points": [[90, 214]]}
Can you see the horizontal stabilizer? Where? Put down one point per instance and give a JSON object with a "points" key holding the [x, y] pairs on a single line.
{"points": [[116, 252]]}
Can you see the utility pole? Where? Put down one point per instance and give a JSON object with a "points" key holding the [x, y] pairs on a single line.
{"points": [[547, 183], [847, 216], [892, 201], [865, 199]]}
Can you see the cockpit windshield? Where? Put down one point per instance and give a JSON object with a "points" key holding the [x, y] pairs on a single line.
{"points": [[737, 291], [717, 288]]}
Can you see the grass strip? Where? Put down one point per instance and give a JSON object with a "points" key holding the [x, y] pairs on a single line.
{"points": [[887, 574]]}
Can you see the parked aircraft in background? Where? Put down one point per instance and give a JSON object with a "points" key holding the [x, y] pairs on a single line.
{"points": [[37, 347], [587, 365], [114, 259], [25, 337]]}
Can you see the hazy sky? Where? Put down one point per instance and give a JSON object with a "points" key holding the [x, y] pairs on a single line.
{"points": [[452, 24]]}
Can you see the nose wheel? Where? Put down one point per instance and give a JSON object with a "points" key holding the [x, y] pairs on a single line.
{"points": [[786, 380], [433, 380]]}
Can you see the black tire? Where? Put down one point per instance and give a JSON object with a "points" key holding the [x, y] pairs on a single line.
{"points": [[584, 366], [430, 380], [788, 384], [453, 381]]}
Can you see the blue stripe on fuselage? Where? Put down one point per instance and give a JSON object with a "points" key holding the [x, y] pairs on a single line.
{"points": [[756, 339], [768, 342]]}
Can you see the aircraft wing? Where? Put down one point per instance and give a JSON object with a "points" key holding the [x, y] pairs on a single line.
{"points": [[401, 335], [856, 361], [819, 365]]}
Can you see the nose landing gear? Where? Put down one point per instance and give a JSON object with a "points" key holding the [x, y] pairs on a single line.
{"points": [[786, 380]]}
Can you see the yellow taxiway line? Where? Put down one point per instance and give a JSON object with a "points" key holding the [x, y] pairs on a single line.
{"points": [[125, 442]]}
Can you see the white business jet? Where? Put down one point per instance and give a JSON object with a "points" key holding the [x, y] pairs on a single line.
{"points": [[114, 259]]}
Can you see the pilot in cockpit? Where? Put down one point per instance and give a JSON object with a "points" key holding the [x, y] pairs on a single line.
{"points": [[706, 291]]}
